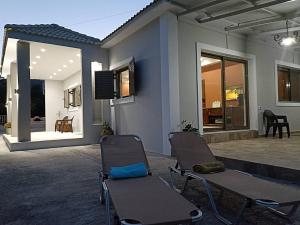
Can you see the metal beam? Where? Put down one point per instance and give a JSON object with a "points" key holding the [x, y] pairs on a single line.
{"points": [[277, 31], [241, 11], [246, 25], [202, 7], [241, 26]]}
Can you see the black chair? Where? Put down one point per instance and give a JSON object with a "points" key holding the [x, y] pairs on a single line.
{"points": [[275, 121]]}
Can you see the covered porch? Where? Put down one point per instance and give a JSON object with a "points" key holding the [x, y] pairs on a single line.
{"points": [[45, 85]]}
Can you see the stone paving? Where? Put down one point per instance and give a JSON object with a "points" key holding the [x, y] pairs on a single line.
{"points": [[60, 187], [283, 152]]}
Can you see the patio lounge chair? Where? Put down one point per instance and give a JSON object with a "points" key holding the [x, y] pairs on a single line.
{"points": [[144, 200], [275, 121], [191, 149]]}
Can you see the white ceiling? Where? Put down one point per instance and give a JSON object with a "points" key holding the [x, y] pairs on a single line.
{"points": [[47, 62]]}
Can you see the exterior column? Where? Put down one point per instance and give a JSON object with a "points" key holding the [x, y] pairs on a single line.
{"points": [[14, 99], [24, 91], [169, 77]]}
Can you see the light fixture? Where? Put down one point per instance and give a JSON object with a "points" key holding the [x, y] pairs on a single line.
{"points": [[34, 62], [78, 54], [51, 77], [38, 57], [59, 70], [54, 74], [71, 61], [287, 39], [65, 66], [43, 50]]}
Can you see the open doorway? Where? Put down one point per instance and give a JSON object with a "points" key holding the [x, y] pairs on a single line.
{"points": [[38, 122], [224, 93]]}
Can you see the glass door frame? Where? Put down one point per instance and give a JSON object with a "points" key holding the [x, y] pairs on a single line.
{"points": [[245, 63]]}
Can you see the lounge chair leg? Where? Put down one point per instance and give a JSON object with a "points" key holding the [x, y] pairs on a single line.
{"points": [[238, 218], [213, 204], [288, 215], [172, 171], [185, 184], [293, 210], [107, 204]]}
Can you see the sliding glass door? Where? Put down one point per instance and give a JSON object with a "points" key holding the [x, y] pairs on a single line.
{"points": [[224, 93]]}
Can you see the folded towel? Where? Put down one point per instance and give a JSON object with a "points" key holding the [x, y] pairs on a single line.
{"points": [[209, 167], [130, 171]]}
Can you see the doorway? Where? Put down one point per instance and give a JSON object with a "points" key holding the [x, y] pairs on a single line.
{"points": [[224, 93]]}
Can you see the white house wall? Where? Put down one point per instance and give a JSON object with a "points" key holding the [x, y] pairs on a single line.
{"points": [[76, 112], [189, 35], [143, 117], [266, 55], [54, 103]]}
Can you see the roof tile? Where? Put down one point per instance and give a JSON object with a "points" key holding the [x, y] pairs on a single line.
{"points": [[53, 31]]}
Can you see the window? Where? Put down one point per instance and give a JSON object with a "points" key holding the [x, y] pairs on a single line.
{"points": [[288, 80], [117, 83], [124, 83]]}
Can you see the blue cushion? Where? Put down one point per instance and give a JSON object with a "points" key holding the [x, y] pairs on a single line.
{"points": [[130, 171]]}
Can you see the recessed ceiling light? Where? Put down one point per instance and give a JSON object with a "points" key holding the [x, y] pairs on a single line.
{"points": [[51, 77], [31, 67], [78, 55], [43, 50], [59, 70], [34, 62], [65, 66], [54, 74], [38, 57], [71, 61]]}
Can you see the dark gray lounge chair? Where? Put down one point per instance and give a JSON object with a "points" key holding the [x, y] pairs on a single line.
{"points": [[191, 149], [145, 200]]}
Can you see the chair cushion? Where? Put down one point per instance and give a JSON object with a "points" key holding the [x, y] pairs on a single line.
{"points": [[209, 167], [129, 171]]}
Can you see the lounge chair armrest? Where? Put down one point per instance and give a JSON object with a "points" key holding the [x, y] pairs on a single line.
{"points": [[282, 117], [196, 216], [130, 222], [267, 203]]}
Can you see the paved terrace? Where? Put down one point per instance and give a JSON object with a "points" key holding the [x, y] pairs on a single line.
{"points": [[60, 187]]}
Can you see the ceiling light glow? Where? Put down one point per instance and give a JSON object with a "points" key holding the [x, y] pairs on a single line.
{"points": [[59, 70], [65, 66], [34, 62], [78, 55], [288, 41], [71, 61], [54, 74], [51, 77], [43, 50], [38, 57]]}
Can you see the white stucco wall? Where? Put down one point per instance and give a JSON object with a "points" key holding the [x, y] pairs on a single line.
{"points": [[266, 55], [54, 103], [76, 112], [189, 34], [143, 117]]}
